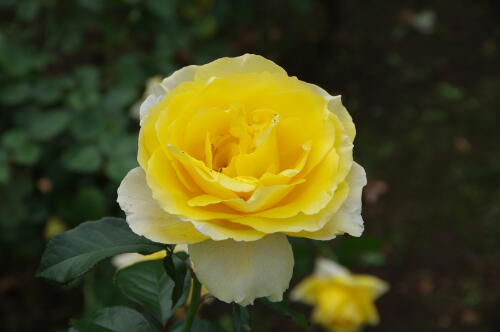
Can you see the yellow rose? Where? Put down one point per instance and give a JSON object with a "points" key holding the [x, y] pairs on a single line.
{"points": [[235, 156], [342, 301]]}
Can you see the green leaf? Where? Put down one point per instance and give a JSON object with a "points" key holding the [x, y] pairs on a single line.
{"points": [[26, 154], [15, 93], [82, 159], [21, 149], [14, 138], [99, 289], [115, 319], [148, 284], [4, 173], [46, 125], [70, 254], [87, 125], [284, 309], [164, 9], [117, 168], [241, 318], [177, 272], [28, 9], [199, 325]]}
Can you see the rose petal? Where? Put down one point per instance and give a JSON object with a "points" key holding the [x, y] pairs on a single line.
{"points": [[247, 63], [243, 271], [146, 218], [219, 229], [348, 218]]}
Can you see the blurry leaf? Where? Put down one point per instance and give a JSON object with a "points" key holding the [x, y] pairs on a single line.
{"points": [[4, 172], [87, 83], [127, 69], [83, 159], [92, 5], [17, 60], [350, 249], [118, 144], [48, 91], [14, 138], [87, 125], [206, 27], [148, 284], [6, 3], [26, 154], [117, 168], [241, 318], [199, 325], [284, 309], [70, 254], [164, 9], [115, 319], [373, 258], [21, 150], [15, 93], [88, 78], [28, 9], [120, 96], [450, 92], [46, 125], [89, 204]]}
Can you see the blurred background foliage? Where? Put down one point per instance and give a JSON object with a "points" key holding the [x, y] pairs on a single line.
{"points": [[421, 79]]}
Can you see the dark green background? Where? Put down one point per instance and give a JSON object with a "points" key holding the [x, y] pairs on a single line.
{"points": [[420, 78]]}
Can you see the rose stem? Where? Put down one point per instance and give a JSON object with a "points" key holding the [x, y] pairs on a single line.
{"points": [[193, 305]]}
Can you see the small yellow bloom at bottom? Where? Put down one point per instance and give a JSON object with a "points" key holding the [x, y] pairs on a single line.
{"points": [[343, 302]]}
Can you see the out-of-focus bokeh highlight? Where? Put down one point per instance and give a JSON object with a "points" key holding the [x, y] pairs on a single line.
{"points": [[420, 78]]}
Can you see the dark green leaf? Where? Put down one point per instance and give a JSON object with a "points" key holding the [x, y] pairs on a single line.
{"points": [[177, 272], [115, 319], [70, 254], [46, 125], [14, 138], [28, 9], [26, 154], [148, 284], [4, 173], [284, 309], [117, 167], [164, 9], [15, 93], [83, 159], [241, 318], [88, 125]]}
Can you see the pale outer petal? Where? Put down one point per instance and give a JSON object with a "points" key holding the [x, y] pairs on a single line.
{"points": [[168, 84], [348, 218], [146, 218], [220, 232], [335, 106], [244, 64], [243, 271]]}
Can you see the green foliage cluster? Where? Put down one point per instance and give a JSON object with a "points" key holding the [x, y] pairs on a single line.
{"points": [[425, 109], [151, 284], [70, 75]]}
